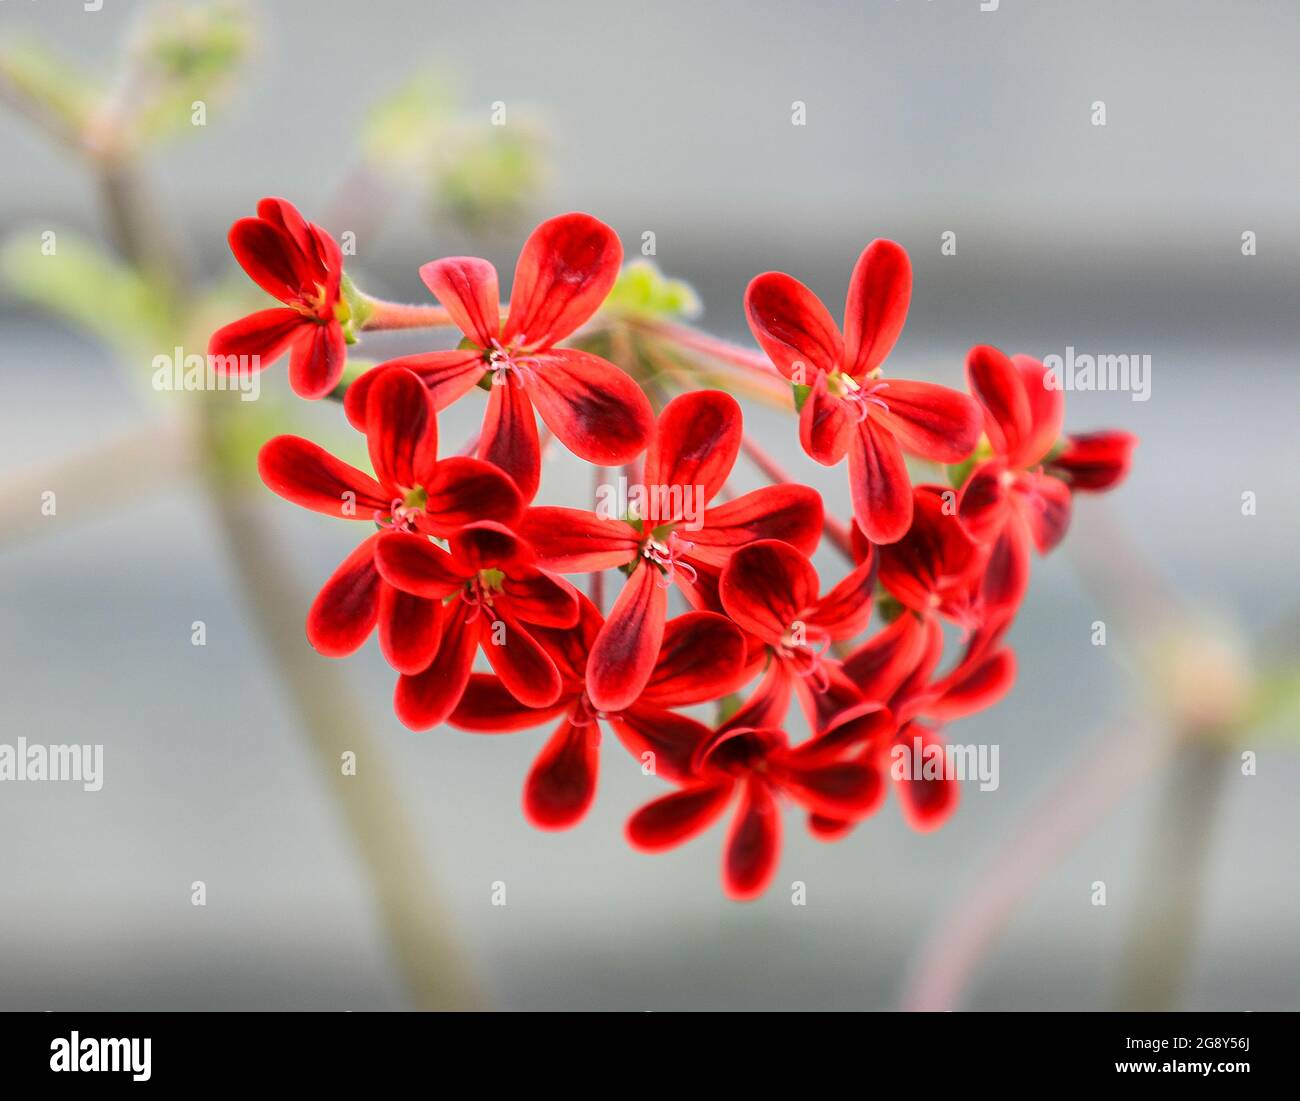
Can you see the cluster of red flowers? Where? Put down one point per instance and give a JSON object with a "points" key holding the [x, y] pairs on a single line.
{"points": [[458, 559]]}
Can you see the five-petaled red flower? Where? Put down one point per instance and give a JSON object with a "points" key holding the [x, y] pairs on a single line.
{"points": [[848, 407], [494, 596], [702, 657], [695, 446], [300, 264], [564, 273], [751, 753], [412, 491]]}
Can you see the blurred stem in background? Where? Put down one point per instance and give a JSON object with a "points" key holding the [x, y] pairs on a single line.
{"points": [[142, 303]]}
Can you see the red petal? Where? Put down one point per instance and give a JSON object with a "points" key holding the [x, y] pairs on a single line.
{"points": [[790, 513], [846, 609], [536, 596], [570, 647], [880, 664], [879, 292], [301, 472], [973, 686], [793, 327], [509, 437], [1006, 574], [675, 818], [1001, 390], [623, 657], [841, 789], [410, 628], [1097, 460], [926, 803], [461, 490], [825, 429], [879, 484], [562, 783], [935, 559], [520, 661], [1046, 411], [571, 541], [316, 359], [487, 707], [593, 408], [753, 843], [426, 699], [695, 445], [767, 707], [467, 287], [766, 587], [936, 422], [702, 657], [257, 340], [1044, 502], [864, 726], [270, 257], [671, 740], [347, 606], [489, 545], [984, 501], [446, 375], [414, 565], [283, 215], [401, 431], [565, 272]]}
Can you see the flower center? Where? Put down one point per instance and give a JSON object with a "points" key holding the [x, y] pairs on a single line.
{"points": [[858, 396], [804, 657], [503, 361], [668, 554], [404, 512]]}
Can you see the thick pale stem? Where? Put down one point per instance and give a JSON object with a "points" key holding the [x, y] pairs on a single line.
{"points": [[396, 315]]}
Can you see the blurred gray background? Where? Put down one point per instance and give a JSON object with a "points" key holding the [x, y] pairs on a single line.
{"points": [[675, 117]]}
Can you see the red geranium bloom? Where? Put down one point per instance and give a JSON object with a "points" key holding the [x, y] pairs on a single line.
{"points": [[1094, 461], [564, 274], [936, 568], [751, 753], [300, 264], [414, 491], [848, 407], [898, 666], [1007, 502], [492, 594], [771, 590], [702, 658], [694, 448]]}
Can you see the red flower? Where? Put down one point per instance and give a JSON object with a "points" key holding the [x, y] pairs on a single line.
{"points": [[414, 491], [936, 568], [1007, 502], [848, 408], [300, 264], [751, 754], [702, 658], [771, 590], [1094, 461], [564, 274], [492, 595], [694, 448], [898, 666]]}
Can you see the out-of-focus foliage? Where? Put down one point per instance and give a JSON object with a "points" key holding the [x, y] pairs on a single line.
{"points": [[183, 53], [50, 89], [642, 289]]}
